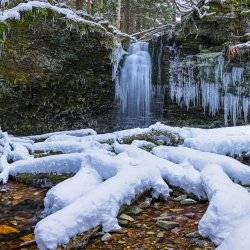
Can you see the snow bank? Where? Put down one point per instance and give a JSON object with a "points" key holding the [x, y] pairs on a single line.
{"points": [[101, 205], [229, 203], [225, 145], [236, 170]]}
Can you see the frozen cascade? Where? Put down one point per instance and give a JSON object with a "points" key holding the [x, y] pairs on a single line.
{"points": [[133, 89], [213, 88]]}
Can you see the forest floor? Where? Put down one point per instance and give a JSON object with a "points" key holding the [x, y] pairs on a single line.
{"points": [[23, 204]]}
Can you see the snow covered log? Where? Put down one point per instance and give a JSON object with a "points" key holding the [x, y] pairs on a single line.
{"points": [[229, 205], [76, 133], [101, 205], [236, 170], [185, 176], [67, 146], [71, 189], [225, 145]]}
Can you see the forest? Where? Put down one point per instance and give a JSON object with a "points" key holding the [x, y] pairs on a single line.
{"points": [[125, 124]]}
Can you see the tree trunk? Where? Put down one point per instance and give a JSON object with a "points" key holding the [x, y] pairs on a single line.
{"points": [[101, 7], [126, 17], [118, 13], [79, 4], [90, 7]]}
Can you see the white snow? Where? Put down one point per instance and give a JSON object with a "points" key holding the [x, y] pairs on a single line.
{"points": [[14, 13], [229, 203], [71, 189], [110, 175], [225, 145], [102, 204], [234, 169]]}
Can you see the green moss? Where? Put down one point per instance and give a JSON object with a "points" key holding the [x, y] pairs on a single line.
{"points": [[153, 137], [39, 180]]}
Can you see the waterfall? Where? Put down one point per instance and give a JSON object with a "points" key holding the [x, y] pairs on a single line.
{"points": [[133, 89]]}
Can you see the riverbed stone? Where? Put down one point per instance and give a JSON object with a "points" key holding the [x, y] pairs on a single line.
{"points": [[168, 225], [188, 201]]}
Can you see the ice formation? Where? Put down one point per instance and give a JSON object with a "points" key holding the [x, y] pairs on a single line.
{"points": [[109, 174], [214, 88]]}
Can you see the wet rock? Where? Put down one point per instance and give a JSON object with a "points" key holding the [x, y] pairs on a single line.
{"points": [[146, 203], [160, 235], [181, 219], [167, 224], [135, 210], [188, 201], [194, 234], [123, 222], [126, 217], [106, 237], [190, 215], [199, 242], [176, 230]]}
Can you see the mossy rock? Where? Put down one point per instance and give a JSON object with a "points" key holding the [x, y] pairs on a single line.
{"points": [[42, 180]]}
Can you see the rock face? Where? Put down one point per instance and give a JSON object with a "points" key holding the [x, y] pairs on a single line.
{"points": [[54, 74], [226, 22]]}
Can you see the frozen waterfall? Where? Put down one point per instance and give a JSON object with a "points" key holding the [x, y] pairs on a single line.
{"points": [[133, 89], [215, 88]]}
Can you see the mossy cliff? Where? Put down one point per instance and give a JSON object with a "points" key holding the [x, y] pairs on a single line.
{"points": [[225, 23], [55, 73]]}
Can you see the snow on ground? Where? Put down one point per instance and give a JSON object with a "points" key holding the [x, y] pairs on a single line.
{"points": [[109, 174]]}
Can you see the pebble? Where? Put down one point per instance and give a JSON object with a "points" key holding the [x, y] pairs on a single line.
{"points": [[167, 224], [160, 235], [180, 197], [199, 242], [181, 219], [126, 217], [188, 202], [123, 222], [106, 237], [194, 234], [135, 210], [190, 215], [146, 203]]}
